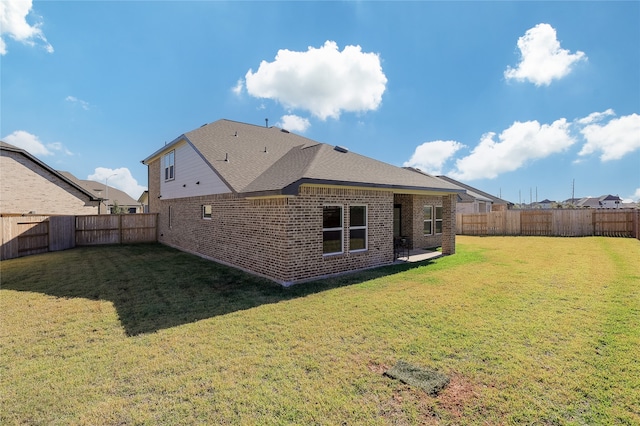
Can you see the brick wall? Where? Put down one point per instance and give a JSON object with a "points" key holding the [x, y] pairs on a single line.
{"points": [[413, 219], [153, 181], [280, 238], [26, 187], [449, 224]]}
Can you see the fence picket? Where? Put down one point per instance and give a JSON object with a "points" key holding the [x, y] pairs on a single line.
{"points": [[561, 223], [25, 235]]}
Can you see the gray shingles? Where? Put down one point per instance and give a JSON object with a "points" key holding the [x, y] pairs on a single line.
{"points": [[261, 159]]}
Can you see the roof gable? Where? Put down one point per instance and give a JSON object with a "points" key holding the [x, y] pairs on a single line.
{"points": [[8, 147]]}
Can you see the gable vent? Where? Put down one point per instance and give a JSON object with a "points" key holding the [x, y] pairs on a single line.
{"points": [[341, 148]]}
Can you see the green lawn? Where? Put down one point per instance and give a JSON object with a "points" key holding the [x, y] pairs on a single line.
{"points": [[530, 331]]}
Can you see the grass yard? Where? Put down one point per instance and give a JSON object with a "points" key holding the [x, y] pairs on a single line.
{"points": [[530, 331]]}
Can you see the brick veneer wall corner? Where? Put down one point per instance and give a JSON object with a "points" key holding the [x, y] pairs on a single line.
{"points": [[280, 238], [449, 224]]}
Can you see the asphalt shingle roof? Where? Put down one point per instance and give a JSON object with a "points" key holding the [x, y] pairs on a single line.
{"points": [[258, 159], [98, 190]]}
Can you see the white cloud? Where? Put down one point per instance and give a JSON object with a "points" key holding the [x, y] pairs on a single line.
{"points": [[118, 178], [520, 143], [13, 22], [323, 81], [595, 117], [74, 100], [32, 144], [294, 123], [237, 89], [431, 156], [542, 59], [613, 140]]}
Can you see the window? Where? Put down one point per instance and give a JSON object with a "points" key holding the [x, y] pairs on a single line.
{"points": [[438, 220], [357, 228], [332, 229], [206, 211], [428, 220], [170, 217], [169, 165]]}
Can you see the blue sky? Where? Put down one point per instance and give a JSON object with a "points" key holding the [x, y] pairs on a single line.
{"points": [[519, 99]]}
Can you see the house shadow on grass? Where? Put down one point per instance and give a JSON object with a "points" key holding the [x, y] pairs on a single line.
{"points": [[154, 287]]}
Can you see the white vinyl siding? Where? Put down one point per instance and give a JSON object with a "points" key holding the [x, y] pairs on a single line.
{"points": [[193, 176]]}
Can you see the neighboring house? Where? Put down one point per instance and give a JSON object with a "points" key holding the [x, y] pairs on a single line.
{"points": [[144, 201], [544, 204], [291, 209], [110, 196], [602, 202], [29, 186], [474, 200]]}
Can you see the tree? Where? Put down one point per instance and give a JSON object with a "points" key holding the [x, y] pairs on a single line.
{"points": [[116, 209]]}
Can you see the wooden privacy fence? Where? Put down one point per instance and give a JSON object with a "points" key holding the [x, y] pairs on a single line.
{"points": [[560, 223], [26, 235]]}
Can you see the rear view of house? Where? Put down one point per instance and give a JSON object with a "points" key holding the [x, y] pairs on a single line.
{"points": [[286, 207]]}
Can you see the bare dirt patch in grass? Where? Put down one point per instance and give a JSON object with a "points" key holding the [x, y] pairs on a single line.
{"points": [[459, 394]]}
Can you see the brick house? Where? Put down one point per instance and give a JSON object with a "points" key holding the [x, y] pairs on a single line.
{"points": [[288, 208], [29, 186]]}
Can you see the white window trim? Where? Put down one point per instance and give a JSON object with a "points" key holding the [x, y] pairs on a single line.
{"points": [[172, 167], [340, 228], [429, 220], [436, 220], [204, 211], [365, 227]]}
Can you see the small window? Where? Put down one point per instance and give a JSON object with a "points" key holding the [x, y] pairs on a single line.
{"points": [[170, 217], [206, 211], [428, 220], [332, 229], [438, 220], [357, 228], [169, 160]]}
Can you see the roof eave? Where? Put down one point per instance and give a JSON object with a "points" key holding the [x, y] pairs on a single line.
{"points": [[293, 188], [169, 145]]}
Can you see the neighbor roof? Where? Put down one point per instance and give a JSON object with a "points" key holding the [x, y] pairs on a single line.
{"points": [[258, 160], [474, 192], [121, 197], [8, 147]]}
